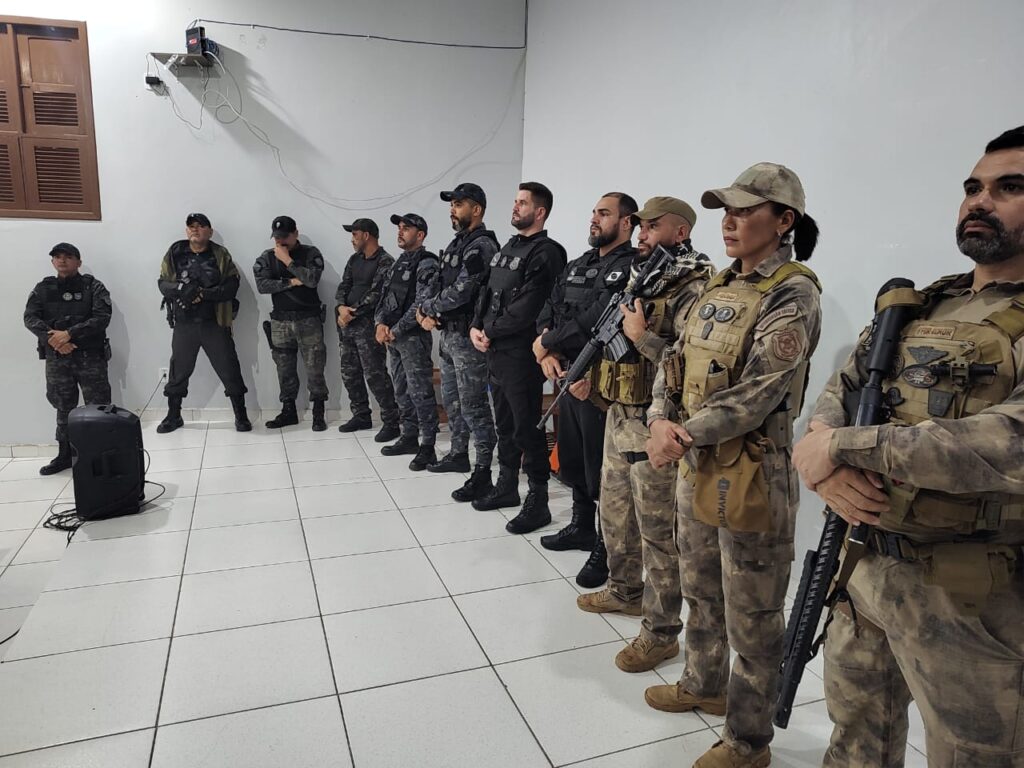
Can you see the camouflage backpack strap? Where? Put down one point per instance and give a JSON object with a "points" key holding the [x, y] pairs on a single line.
{"points": [[786, 271], [1010, 320]]}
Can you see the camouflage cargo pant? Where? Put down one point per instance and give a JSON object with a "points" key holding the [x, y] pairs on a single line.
{"points": [[638, 520], [362, 356], [65, 374], [912, 642], [734, 584], [412, 374], [464, 394], [292, 337]]}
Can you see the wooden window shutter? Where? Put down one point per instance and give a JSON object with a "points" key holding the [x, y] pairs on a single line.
{"points": [[50, 152]]}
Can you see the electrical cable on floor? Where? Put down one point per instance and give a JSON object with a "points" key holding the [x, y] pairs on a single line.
{"points": [[10, 636]]}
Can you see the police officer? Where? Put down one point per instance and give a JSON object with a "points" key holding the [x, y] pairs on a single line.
{"points": [[69, 315], [412, 281], [725, 400], [638, 500], [464, 265], [519, 281], [290, 273], [580, 295], [936, 600], [354, 303], [199, 281]]}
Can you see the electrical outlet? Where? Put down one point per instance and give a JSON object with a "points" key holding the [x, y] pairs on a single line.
{"points": [[163, 374]]}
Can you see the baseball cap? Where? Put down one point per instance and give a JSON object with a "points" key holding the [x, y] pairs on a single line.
{"points": [[369, 226], [466, 191], [283, 226], [197, 218], [67, 249], [659, 206], [758, 184], [410, 219]]}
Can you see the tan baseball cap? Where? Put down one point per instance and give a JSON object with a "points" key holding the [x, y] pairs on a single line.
{"points": [[758, 184], [659, 206]]}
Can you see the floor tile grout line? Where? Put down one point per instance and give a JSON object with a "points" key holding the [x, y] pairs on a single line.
{"points": [[73, 742], [538, 550], [319, 610], [177, 603], [3, 571], [490, 663], [636, 746]]}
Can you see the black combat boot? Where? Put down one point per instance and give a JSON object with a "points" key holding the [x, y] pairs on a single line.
{"points": [[319, 422], [406, 444], [534, 514], [451, 462], [425, 456], [242, 423], [505, 492], [286, 417], [387, 433], [357, 423], [60, 462], [578, 534], [173, 418], [594, 572], [478, 485]]}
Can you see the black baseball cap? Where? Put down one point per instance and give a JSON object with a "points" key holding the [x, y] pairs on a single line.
{"points": [[369, 226], [200, 218], [67, 249], [410, 219], [466, 191], [283, 226]]}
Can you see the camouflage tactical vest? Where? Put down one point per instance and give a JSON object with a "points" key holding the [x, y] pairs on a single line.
{"points": [[950, 369], [631, 381]]}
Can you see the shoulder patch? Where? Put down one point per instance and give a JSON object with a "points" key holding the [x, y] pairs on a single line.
{"points": [[786, 345], [790, 310]]}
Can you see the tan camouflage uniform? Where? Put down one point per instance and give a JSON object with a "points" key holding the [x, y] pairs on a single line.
{"points": [[735, 582], [961, 658], [637, 500]]}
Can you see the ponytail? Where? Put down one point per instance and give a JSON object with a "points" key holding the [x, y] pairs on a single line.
{"points": [[803, 235]]}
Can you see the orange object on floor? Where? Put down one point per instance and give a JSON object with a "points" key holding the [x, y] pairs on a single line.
{"points": [[554, 458]]}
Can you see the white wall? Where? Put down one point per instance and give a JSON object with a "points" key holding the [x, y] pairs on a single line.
{"points": [[353, 119], [882, 108]]}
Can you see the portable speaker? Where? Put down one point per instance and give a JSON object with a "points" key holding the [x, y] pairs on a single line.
{"points": [[108, 466]]}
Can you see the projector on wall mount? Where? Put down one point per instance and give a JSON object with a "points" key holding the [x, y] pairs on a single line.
{"points": [[199, 51]]}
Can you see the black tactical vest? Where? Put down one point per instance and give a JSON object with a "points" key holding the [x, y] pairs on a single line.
{"points": [[401, 289], [508, 273], [452, 261], [587, 279], [69, 303], [363, 270], [300, 298]]}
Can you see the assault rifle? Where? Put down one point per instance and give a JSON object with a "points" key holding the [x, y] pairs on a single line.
{"points": [[607, 331], [821, 565]]}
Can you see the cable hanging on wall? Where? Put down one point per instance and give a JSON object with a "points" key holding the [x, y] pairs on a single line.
{"points": [[359, 36], [342, 203]]}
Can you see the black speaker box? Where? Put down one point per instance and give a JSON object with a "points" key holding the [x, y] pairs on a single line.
{"points": [[108, 465]]}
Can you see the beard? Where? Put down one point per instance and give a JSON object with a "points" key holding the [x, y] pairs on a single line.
{"points": [[525, 221], [460, 224], [601, 239], [1000, 246]]}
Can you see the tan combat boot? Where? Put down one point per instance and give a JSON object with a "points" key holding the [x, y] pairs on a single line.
{"points": [[605, 602], [675, 698], [723, 756], [642, 655]]}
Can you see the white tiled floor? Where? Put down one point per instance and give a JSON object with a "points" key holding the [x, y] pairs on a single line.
{"points": [[298, 599]]}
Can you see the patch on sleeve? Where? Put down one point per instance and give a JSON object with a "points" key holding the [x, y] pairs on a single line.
{"points": [[790, 310], [787, 345]]}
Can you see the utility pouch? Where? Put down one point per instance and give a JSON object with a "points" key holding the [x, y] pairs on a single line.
{"points": [[730, 489]]}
